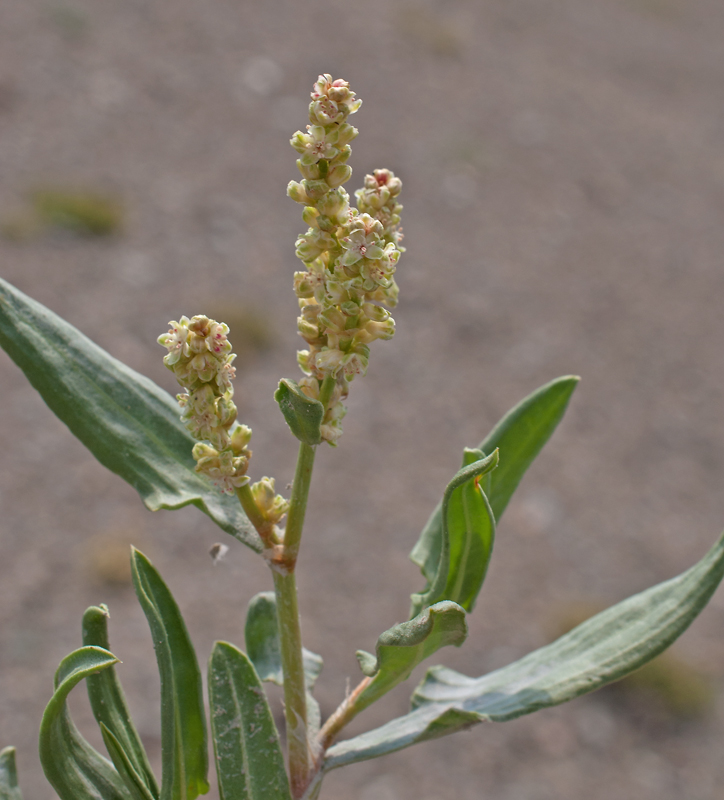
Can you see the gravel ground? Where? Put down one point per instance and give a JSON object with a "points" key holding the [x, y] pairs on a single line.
{"points": [[563, 188]]}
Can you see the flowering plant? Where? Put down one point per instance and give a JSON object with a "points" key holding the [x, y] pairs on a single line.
{"points": [[194, 451]]}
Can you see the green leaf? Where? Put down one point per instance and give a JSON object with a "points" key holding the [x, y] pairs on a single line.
{"points": [[458, 555], [75, 770], [249, 760], [9, 789], [520, 436], [109, 703], [303, 414], [128, 422], [183, 720], [601, 650], [263, 645], [401, 648], [136, 785]]}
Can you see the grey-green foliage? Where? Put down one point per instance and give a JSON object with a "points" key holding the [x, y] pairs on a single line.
{"points": [[303, 414], [249, 760], [129, 423], [183, 719], [74, 769], [401, 648], [263, 646], [9, 789], [520, 435], [455, 559], [601, 650], [110, 709]]}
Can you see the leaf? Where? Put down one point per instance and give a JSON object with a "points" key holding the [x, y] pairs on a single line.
{"points": [[109, 703], [601, 650], [128, 422], [183, 720], [263, 646], [303, 414], [75, 770], [458, 556], [249, 760], [520, 436], [401, 648], [9, 789], [136, 785]]}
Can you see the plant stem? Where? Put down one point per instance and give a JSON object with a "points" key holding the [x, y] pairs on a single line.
{"points": [[344, 714], [295, 698], [325, 392], [298, 505], [264, 528]]}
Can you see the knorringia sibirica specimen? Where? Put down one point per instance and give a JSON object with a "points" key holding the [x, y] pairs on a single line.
{"points": [[193, 450]]}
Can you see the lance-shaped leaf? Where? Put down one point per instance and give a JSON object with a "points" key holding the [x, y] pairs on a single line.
{"points": [[109, 703], [183, 721], [128, 422], [135, 784], [401, 648], [249, 760], [263, 646], [457, 561], [9, 789], [601, 650], [303, 414], [520, 436], [75, 770]]}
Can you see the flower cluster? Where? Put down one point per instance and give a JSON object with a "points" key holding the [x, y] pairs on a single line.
{"points": [[350, 254], [199, 354]]}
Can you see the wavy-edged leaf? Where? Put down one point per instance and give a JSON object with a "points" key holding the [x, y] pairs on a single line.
{"points": [[457, 557], [303, 414], [520, 435], [135, 784], [401, 648], [74, 769], [183, 720], [109, 703], [601, 650], [129, 423], [9, 789], [249, 760]]}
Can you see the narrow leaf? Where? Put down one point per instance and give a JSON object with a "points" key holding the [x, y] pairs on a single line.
{"points": [[73, 768], [457, 559], [601, 650], [263, 646], [9, 789], [249, 760], [520, 436], [183, 720], [303, 414], [401, 648], [128, 422], [109, 703], [134, 783]]}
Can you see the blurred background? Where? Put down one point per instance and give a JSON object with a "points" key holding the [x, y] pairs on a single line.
{"points": [[563, 172]]}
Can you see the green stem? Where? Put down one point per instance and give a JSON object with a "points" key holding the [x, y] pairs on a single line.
{"points": [[295, 698], [298, 505], [264, 528], [325, 392]]}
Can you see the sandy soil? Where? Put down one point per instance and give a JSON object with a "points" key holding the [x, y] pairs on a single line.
{"points": [[563, 188]]}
